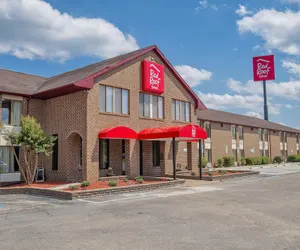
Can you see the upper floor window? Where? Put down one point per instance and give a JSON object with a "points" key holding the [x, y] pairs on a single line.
{"points": [[114, 100], [260, 134], [207, 129], [241, 133], [266, 135], [233, 132], [297, 139], [11, 112], [181, 111], [285, 137], [151, 106]]}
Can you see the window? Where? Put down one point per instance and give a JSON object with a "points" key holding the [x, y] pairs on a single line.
{"points": [[266, 135], [261, 152], [151, 106], [55, 154], [207, 129], [114, 100], [8, 162], [104, 154], [233, 132], [156, 153], [260, 134], [297, 138], [234, 154], [242, 153], [267, 152], [241, 133], [181, 111], [281, 137], [285, 137], [208, 155], [11, 112]]}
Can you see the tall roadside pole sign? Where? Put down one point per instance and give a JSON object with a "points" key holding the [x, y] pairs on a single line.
{"points": [[264, 70]]}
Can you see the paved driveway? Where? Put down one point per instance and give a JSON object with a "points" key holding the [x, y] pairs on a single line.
{"points": [[254, 213]]}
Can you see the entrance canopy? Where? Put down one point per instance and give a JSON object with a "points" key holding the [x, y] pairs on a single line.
{"points": [[119, 132], [186, 132]]}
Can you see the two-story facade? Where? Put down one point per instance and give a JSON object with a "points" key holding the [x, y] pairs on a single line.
{"points": [[242, 136], [82, 106]]}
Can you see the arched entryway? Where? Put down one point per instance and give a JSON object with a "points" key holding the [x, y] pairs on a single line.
{"points": [[75, 163]]}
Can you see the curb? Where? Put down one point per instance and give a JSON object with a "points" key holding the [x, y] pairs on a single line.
{"points": [[66, 195]]}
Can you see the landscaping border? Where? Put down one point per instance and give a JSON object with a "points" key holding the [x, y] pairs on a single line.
{"points": [[68, 195], [220, 177]]}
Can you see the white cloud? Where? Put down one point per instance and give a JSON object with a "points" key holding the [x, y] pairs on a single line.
{"points": [[292, 67], [192, 75], [235, 49], [279, 29], [206, 5], [35, 30], [291, 1], [288, 90], [288, 106], [249, 103], [254, 114], [242, 10]]}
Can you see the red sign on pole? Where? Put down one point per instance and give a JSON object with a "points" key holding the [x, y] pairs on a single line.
{"points": [[153, 77], [263, 68]]}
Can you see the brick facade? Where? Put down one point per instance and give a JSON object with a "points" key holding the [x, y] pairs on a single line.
{"points": [[75, 118]]}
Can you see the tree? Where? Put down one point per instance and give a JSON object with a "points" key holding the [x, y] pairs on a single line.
{"points": [[33, 142]]}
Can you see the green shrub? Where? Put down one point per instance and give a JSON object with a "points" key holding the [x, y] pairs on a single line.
{"points": [[257, 160], [139, 179], [265, 160], [1, 170], [222, 172], [278, 159], [293, 158], [243, 161], [228, 161], [85, 184], [73, 187], [219, 163], [113, 183], [125, 179], [204, 162], [210, 173]]}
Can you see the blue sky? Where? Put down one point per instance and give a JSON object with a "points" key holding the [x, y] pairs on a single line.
{"points": [[211, 43]]}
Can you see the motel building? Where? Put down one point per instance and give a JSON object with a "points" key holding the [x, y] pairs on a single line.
{"points": [[133, 113]]}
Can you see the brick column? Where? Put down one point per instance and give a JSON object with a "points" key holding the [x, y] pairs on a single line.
{"points": [[132, 156]]}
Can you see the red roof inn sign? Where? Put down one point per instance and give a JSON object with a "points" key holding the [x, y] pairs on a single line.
{"points": [[263, 68], [153, 77]]}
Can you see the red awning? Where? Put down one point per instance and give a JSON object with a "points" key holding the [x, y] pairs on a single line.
{"points": [[120, 132], [187, 132]]}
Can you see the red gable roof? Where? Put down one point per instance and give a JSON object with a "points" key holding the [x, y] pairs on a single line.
{"points": [[83, 78]]}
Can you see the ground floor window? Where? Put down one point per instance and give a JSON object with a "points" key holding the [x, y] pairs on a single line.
{"points": [[261, 153], [104, 154], [267, 152], [80, 154], [8, 162], [242, 153], [234, 154], [207, 154], [55, 154], [123, 158], [156, 153]]}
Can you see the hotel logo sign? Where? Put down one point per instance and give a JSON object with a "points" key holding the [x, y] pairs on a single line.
{"points": [[263, 68], [193, 132], [153, 77]]}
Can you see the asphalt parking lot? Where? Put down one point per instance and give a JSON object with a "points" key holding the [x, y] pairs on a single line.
{"points": [[253, 213]]}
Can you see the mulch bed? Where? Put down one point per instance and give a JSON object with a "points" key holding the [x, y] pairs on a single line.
{"points": [[105, 184]]}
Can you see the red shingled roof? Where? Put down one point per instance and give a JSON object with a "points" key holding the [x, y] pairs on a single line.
{"points": [[78, 79]]}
